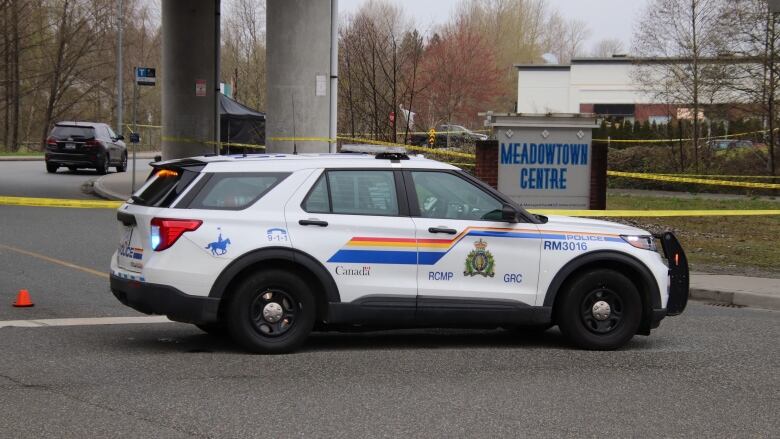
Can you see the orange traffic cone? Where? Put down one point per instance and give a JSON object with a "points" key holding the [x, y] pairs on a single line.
{"points": [[23, 299]]}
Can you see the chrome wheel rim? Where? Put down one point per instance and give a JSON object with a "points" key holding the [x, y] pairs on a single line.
{"points": [[274, 312]]}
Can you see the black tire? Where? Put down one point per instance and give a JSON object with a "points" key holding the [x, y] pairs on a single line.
{"points": [[583, 326], [51, 168], [215, 329], [102, 167], [122, 166], [295, 312]]}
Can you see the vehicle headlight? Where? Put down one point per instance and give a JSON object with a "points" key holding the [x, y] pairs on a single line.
{"points": [[644, 242]]}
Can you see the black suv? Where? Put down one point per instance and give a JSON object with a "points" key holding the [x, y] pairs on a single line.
{"points": [[85, 145]]}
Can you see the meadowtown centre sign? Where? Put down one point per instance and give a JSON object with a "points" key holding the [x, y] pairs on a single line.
{"points": [[545, 161]]}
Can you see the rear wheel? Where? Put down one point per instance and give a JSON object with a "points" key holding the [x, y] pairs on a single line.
{"points": [[51, 168], [122, 166], [102, 167], [599, 310], [272, 312]]}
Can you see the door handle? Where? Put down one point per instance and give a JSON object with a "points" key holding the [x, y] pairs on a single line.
{"points": [[313, 222], [442, 230]]}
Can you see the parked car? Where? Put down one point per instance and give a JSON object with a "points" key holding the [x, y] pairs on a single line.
{"points": [[723, 144], [270, 247], [456, 134], [78, 145], [459, 131]]}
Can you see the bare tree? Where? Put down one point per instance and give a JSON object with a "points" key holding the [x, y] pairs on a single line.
{"points": [[608, 47], [77, 58], [515, 30], [754, 34], [243, 50], [565, 38], [685, 33], [375, 58]]}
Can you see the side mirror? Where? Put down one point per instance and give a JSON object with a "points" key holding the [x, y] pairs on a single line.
{"points": [[508, 214], [120, 137]]}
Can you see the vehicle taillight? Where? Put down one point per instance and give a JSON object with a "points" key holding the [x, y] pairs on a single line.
{"points": [[165, 231], [91, 144], [51, 142]]}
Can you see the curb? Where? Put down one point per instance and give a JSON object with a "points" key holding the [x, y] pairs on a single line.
{"points": [[752, 300], [108, 194]]}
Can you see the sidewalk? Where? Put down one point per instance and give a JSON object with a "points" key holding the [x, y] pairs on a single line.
{"points": [[21, 158], [755, 292], [116, 186]]}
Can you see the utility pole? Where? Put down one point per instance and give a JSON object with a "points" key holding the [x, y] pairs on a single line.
{"points": [[119, 68]]}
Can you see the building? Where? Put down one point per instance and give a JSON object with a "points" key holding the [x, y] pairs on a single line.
{"points": [[605, 86]]}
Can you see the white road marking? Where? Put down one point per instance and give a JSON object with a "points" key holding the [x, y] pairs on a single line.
{"points": [[93, 321]]}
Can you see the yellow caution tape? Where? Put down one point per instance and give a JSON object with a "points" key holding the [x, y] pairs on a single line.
{"points": [[653, 213], [657, 177], [210, 142], [56, 202], [722, 176], [420, 149], [723, 137], [103, 204]]}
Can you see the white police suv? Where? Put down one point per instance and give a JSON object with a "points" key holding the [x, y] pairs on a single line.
{"points": [[271, 247]]}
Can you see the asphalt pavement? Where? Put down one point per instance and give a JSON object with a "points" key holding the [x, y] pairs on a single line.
{"points": [[30, 179], [712, 372]]}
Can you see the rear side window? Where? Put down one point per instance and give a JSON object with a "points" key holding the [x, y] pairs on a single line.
{"points": [[165, 188], [235, 191], [354, 193], [65, 132]]}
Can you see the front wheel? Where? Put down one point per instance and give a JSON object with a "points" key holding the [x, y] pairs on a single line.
{"points": [[599, 310], [272, 312]]}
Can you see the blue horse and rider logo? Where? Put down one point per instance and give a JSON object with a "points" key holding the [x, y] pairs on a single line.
{"points": [[218, 247]]}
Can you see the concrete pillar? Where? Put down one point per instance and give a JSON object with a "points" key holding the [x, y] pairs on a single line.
{"points": [[189, 88], [298, 73]]}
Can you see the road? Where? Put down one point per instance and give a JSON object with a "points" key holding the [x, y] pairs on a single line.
{"points": [[30, 179], [713, 371]]}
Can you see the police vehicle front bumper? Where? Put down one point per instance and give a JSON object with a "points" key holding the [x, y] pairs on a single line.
{"points": [[165, 300]]}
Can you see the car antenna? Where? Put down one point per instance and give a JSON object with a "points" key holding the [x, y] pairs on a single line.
{"points": [[295, 144]]}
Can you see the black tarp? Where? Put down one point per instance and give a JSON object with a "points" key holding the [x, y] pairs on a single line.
{"points": [[239, 124]]}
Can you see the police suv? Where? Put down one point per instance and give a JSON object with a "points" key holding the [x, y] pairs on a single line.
{"points": [[270, 247]]}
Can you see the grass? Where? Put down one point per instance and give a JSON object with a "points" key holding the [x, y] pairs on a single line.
{"points": [[733, 244]]}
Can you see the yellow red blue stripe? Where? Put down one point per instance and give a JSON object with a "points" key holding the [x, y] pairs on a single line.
{"points": [[382, 250]]}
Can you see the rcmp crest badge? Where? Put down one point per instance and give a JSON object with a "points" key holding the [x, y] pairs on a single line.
{"points": [[480, 261]]}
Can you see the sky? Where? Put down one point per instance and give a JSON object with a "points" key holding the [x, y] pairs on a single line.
{"points": [[605, 18]]}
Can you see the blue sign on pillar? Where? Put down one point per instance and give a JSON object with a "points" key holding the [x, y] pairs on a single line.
{"points": [[145, 76]]}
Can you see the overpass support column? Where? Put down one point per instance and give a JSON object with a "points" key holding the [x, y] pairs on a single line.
{"points": [[189, 79], [299, 71]]}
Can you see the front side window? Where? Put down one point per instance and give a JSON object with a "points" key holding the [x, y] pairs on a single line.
{"points": [[235, 191], [354, 193], [447, 196]]}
